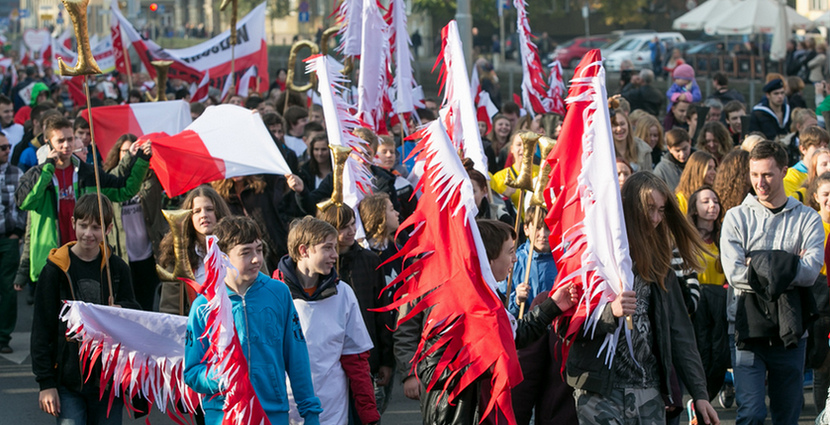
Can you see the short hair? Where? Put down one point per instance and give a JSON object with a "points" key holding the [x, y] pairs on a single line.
{"points": [[312, 127], [814, 136], [86, 208], [387, 141], [369, 136], [197, 108], [647, 76], [81, 124], [676, 136], [425, 114], [510, 107], [768, 149], [493, 235], [273, 118], [713, 103], [38, 111], [733, 106], [373, 214], [308, 231], [315, 107], [721, 78], [236, 230], [252, 102], [182, 93], [337, 216], [625, 106], [4, 100], [294, 114], [530, 213], [57, 122]]}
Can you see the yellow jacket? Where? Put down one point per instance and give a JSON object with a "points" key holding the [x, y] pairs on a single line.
{"points": [[498, 184]]}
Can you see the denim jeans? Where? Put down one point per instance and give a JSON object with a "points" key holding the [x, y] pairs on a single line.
{"points": [[782, 369], [84, 407]]}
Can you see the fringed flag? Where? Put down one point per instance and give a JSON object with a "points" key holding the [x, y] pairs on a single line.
{"points": [[340, 123], [349, 15], [557, 89], [141, 353], [404, 83], [534, 95], [485, 108], [588, 236], [374, 61], [461, 122], [224, 357], [451, 279]]}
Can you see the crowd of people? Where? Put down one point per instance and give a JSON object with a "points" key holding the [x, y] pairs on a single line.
{"points": [[707, 185]]}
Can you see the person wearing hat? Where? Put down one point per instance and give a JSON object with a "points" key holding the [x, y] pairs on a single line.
{"points": [[684, 88], [39, 94], [771, 115]]}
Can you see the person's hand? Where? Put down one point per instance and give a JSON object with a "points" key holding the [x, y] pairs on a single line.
{"points": [[50, 402], [295, 183], [624, 304], [134, 148], [384, 375], [508, 192], [147, 148], [522, 292], [15, 237], [53, 154], [411, 388], [706, 414], [566, 297], [17, 287]]}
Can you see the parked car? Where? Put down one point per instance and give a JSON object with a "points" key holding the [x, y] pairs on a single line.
{"points": [[571, 52], [635, 48]]}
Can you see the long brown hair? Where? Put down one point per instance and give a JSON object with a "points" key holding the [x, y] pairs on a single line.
{"points": [[721, 135], [632, 153], [693, 215], [168, 256], [373, 215], [651, 247], [732, 179], [694, 173], [114, 155], [226, 186]]}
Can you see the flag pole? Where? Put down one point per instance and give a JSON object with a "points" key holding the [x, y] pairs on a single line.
{"points": [[530, 242], [233, 40]]}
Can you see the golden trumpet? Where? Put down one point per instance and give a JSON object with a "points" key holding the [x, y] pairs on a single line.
{"points": [[546, 145], [340, 155], [234, 12], [162, 67], [178, 220], [77, 11], [524, 180], [292, 63]]}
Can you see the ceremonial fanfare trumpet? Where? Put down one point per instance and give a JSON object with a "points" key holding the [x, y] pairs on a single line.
{"points": [[178, 220], [234, 12], [77, 11], [292, 63], [340, 155], [524, 180], [162, 67], [546, 145]]}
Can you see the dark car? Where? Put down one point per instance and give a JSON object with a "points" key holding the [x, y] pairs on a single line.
{"points": [[571, 52]]}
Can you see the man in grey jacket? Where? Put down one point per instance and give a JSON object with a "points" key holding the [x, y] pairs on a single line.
{"points": [[768, 221]]}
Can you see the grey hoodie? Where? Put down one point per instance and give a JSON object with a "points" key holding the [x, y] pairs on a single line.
{"points": [[752, 226]]}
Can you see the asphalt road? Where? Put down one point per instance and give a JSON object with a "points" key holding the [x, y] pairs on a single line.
{"points": [[19, 391]]}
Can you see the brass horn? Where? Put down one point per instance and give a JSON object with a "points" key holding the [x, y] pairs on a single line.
{"points": [[341, 155], [292, 63], [162, 67], [546, 145], [178, 220], [77, 11], [524, 180], [234, 13]]}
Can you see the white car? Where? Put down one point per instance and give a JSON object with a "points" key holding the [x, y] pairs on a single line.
{"points": [[635, 48]]}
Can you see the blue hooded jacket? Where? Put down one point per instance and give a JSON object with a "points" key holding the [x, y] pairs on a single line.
{"points": [[273, 343], [542, 276]]}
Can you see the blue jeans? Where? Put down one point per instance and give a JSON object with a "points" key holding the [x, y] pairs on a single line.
{"points": [[782, 369], [84, 407]]}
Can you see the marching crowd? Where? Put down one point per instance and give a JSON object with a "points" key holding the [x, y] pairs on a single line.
{"points": [[727, 207]]}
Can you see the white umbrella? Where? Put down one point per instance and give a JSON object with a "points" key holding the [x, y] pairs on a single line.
{"points": [[755, 17], [823, 20], [695, 19], [778, 49]]}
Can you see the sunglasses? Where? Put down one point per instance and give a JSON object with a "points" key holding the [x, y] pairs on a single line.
{"points": [[5, 147]]}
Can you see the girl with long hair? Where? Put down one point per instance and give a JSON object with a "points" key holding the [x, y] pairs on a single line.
{"points": [[648, 129], [640, 374], [714, 139], [632, 149], [318, 166], [732, 179], [207, 209], [700, 170], [496, 141]]}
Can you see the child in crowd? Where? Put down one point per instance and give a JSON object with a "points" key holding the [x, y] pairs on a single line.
{"points": [[542, 268], [267, 326], [684, 87], [671, 166], [77, 271]]}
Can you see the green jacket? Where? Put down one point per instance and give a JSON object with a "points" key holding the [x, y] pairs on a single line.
{"points": [[37, 194]]}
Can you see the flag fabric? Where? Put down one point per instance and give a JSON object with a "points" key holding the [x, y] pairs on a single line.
{"points": [[588, 234], [349, 15], [142, 353], [225, 141], [450, 278], [403, 82], [75, 88], [485, 108], [374, 62], [200, 92], [247, 82], [534, 95], [556, 93], [461, 120], [118, 49], [110, 122]]}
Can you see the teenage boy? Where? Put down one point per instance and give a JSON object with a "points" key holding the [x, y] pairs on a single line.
{"points": [[48, 191], [671, 165], [732, 113], [77, 271], [296, 118], [13, 130], [771, 115], [338, 343], [268, 329], [542, 268]]}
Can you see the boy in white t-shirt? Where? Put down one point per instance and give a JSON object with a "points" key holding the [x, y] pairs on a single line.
{"points": [[337, 339]]}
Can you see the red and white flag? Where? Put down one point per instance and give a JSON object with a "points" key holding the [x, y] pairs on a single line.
{"points": [[110, 122], [588, 236], [225, 141], [450, 277], [122, 61], [374, 62], [404, 86], [485, 108], [534, 93], [556, 93], [349, 15], [247, 82]]}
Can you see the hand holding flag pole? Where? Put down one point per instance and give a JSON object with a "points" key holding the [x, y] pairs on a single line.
{"points": [[522, 182], [86, 66]]}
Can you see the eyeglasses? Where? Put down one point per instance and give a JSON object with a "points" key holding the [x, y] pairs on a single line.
{"points": [[5, 147]]}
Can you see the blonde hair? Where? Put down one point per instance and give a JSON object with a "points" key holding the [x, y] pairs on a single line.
{"points": [[308, 231], [644, 124], [750, 141], [632, 153], [694, 173]]}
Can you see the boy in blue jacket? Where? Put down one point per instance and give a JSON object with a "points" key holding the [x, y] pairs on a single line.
{"points": [[268, 327], [542, 269]]}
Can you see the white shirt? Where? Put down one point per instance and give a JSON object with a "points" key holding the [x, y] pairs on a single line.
{"points": [[296, 144], [333, 327]]}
